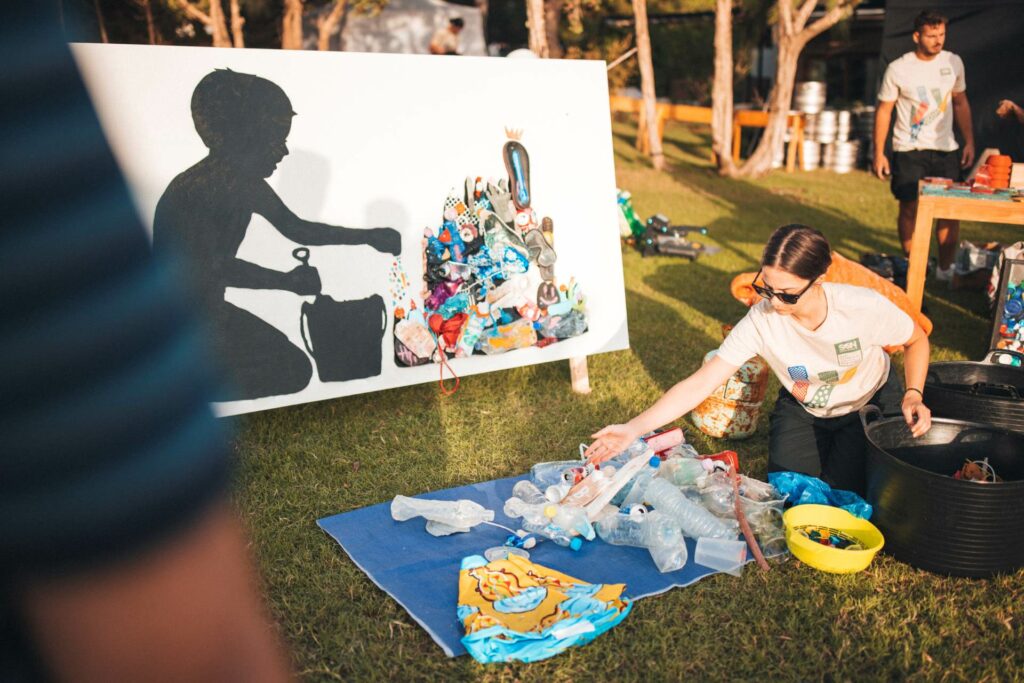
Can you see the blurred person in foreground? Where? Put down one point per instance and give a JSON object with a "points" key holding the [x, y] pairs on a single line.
{"points": [[120, 557]]}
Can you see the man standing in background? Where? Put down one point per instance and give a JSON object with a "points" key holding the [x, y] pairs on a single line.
{"points": [[928, 90]]}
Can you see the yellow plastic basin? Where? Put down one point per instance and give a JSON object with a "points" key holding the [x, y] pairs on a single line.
{"points": [[799, 520]]}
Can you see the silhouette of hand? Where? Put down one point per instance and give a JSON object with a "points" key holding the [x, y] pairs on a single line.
{"points": [[385, 240], [303, 280]]}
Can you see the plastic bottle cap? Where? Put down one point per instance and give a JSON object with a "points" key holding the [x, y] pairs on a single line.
{"points": [[576, 543], [655, 461], [550, 511]]}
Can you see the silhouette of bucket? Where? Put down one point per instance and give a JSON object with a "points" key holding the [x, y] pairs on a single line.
{"points": [[344, 337]]}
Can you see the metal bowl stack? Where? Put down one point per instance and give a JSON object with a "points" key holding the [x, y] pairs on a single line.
{"points": [[841, 156], [811, 155], [844, 124], [809, 97], [826, 127]]}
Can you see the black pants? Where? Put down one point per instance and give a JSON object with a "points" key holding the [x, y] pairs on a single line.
{"points": [[918, 164], [830, 448]]}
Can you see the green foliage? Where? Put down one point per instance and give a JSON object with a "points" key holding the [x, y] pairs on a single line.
{"points": [[793, 623]]}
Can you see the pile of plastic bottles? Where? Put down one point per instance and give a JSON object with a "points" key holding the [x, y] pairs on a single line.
{"points": [[489, 276], [652, 495], [651, 500]]}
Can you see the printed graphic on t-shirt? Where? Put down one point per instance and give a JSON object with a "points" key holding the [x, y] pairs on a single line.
{"points": [[830, 379], [924, 114], [849, 352]]}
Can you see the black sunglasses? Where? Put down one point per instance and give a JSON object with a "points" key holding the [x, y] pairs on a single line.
{"points": [[767, 292]]}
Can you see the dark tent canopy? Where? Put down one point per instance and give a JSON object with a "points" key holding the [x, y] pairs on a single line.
{"points": [[989, 36]]}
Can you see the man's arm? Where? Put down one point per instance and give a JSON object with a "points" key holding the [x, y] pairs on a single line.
{"points": [[883, 117], [184, 611], [962, 116], [1008, 108]]}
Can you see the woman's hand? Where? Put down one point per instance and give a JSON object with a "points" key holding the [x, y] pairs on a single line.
{"points": [[610, 441], [916, 413]]}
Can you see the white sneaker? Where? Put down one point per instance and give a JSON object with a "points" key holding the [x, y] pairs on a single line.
{"points": [[944, 274]]}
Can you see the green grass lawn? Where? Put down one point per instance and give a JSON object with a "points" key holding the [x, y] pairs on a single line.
{"points": [[890, 622]]}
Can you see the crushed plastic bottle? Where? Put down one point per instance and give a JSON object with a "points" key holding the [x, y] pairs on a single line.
{"points": [[653, 530], [572, 324], [694, 520], [545, 474], [616, 482], [683, 471], [554, 534], [451, 516], [516, 507], [571, 519], [527, 492]]}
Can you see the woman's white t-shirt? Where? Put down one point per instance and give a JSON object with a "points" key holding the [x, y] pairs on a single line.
{"points": [[835, 369]]}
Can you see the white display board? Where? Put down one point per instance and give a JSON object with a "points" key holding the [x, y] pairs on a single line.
{"points": [[376, 141]]}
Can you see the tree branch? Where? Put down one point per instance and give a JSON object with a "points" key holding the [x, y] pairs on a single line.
{"points": [[842, 10], [786, 16], [327, 25], [192, 12], [803, 14]]}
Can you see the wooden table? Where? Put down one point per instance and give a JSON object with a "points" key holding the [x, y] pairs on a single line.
{"points": [[952, 206]]}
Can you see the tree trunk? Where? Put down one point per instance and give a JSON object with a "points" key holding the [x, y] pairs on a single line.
{"points": [[535, 21], [643, 43], [100, 22], [552, 20], [291, 25], [721, 89], [760, 161], [328, 24], [237, 22], [150, 24], [793, 35], [219, 25]]}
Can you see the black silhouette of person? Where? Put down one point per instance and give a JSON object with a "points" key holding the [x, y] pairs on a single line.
{"points": [[205, 211]]}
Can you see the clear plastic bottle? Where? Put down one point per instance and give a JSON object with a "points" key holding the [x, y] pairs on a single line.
{"points": [[694, 520], [657, 532], [463, 515], [528, 492], [554, 534], [556, 492], [682, 471], [534, 512], [545, 474], [570, 518]]}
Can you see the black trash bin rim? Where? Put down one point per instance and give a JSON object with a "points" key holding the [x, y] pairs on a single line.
{"points": [[872, 412]]}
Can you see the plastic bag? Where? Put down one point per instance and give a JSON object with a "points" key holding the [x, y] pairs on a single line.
{"points": [[803, 488]]}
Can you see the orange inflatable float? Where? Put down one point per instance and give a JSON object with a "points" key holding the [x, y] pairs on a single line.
{"points": [[846, 272]]}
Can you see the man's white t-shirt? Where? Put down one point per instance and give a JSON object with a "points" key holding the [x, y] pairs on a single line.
{"points": [[835, 369], [923, 92]]}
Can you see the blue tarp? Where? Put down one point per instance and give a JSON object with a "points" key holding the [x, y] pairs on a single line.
{"points": [[421, 571]]}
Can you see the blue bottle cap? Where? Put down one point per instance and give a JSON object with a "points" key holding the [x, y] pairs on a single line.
{"points": [[655, 461], [1013, 308], [576, 543]]}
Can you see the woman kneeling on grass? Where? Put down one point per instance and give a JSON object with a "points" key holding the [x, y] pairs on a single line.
{"points": [[824, 342]]}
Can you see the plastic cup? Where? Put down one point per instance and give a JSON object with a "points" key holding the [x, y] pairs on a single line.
{"points": [[721, 554]]}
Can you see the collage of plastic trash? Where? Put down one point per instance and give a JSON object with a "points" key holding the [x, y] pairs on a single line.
{"points": [[489, 283]]}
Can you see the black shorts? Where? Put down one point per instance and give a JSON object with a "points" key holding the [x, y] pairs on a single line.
{"points": [[909, 167], [833, 449]]}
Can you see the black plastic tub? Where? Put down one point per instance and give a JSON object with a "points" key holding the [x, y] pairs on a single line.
{"points": [[931, 520], [986, 392]]}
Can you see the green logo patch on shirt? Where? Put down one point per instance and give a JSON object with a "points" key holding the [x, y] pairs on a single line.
{"points": [[848, 352], [946, 71]]}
